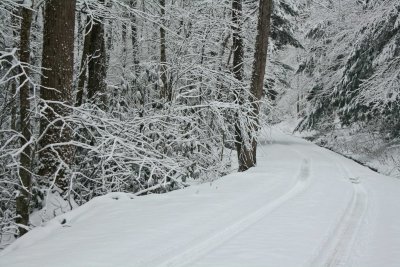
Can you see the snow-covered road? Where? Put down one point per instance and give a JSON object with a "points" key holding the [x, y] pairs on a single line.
{"points": [[302, 206]]}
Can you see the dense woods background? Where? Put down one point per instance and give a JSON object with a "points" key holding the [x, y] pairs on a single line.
{"points": [[98, 96]]}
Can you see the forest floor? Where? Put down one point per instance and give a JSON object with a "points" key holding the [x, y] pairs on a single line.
{"points": [[301, 206]]}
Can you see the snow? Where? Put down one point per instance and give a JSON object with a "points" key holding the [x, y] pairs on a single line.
{"points": [[301, 206]]}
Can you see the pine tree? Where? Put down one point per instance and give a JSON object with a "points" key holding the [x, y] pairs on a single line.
{"points": [[356, 62]]}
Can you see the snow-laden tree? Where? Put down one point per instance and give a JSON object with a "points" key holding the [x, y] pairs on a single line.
{"points": [[351, 73], [347, 77], [15, 136], [153, 103]]}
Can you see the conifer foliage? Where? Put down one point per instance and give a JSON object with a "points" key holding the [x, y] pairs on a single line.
{"points": [[356, 55], [347, 80]]}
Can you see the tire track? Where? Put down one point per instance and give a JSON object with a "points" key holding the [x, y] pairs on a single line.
{"points": [[204, 247], [337, 249]]}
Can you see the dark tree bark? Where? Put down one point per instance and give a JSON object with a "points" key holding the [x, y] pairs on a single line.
{"points": [[13, 104], [97, 68], [166, 93], [109, 36], [238, 52], [124, 45], [23, 200], [84, 63], [238, 47], [249, 154], [133, 4], [13, 96], [57, 63]]}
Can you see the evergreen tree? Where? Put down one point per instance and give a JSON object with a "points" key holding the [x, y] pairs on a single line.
{"points": [[355, 81]]}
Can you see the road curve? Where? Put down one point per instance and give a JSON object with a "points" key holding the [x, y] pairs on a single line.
{"points": [[301, 206], [199, 250]]}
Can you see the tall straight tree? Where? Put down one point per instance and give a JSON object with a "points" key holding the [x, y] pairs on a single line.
{"points": [[13, 101], [22, 202], [134, 34], [56, 90], [135, 46], [166, 93], [238, 46], [97, 69], [84, 63], [249, 154], [238, 53]]}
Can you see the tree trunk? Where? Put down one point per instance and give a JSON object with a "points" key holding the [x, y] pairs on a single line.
{"points": [[13, 95], [133, 4], [22, 202], [249, 154], [238, 52], [57, 63], [84, 64], [124, 45], [109, 36], [97, 65], [166, 94]]}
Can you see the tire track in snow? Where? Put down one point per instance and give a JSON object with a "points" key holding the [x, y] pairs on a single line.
{"points": [[204, 247], [337, 249]]}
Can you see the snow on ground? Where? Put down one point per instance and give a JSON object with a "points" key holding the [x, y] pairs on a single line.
{"points": [[370, 148], [301, 206]]}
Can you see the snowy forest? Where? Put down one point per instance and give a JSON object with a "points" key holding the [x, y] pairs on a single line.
{"points": [[144, 97]]}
